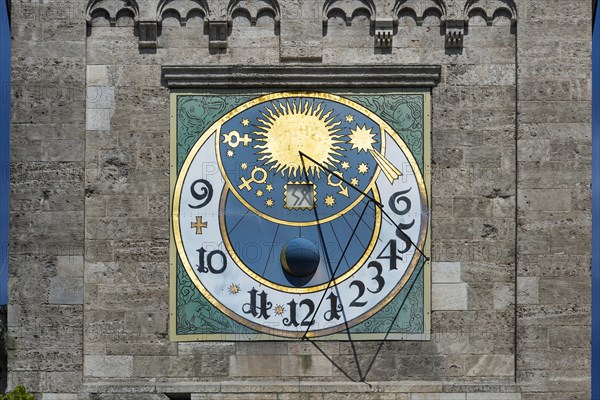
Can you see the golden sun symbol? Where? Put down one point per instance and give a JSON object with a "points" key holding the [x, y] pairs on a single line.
{"points": [[279, 309], [298, 126], [234, 289]]}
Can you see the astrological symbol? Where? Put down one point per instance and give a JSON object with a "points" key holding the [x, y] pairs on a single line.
{"points": [[303, 198], [233, 139], [246, 182], [199, 225], [340, 184]]}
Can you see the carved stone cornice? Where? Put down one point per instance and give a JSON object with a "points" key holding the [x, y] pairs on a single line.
{"points": [[300, 76]]}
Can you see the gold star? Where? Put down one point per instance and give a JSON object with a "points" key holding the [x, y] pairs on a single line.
{"points": [[259, 193], [279, 309], [244, 166], [345, 164], [362, 138], [234, 288], [269, 202], [349, 118], [199, 224], [230, 153], [269, 187], [329, 200], [363, 168], [354, 182], [245, 122]]}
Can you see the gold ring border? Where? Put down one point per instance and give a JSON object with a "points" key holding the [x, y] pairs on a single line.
{"points": [[287, 289], [285, 95], [299, 334]]}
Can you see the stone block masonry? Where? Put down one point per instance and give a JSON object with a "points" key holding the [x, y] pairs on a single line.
{"points": [[511, 223]]}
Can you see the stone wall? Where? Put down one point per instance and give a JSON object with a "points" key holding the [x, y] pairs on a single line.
{"points": [[45, 323], [511, 229], [554, 194]]}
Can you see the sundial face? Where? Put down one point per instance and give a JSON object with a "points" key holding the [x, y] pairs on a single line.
{"points": [[300, 214]]}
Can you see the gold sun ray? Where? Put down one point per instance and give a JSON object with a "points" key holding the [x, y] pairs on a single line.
{"points": [[283, 109], [273, 116]]}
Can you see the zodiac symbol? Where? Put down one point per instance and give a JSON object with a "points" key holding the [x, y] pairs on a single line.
{"points": [[233, 139], [339, 184], [299, 195], [246, 182], [305, 196]]}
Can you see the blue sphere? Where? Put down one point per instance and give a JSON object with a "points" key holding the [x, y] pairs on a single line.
{"points": [[300, 257]]}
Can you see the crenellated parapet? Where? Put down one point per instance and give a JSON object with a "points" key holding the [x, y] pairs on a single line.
{"points": [[182, 10], [491, 10], [348, 10], [253, 10], [420, 10], [380, 19], [486, 11], [172, 13], [111, 12]]}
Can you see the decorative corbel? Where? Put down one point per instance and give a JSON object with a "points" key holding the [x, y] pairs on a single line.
{"points": [[455, 31], [148, 34], [384, 31], [217, 34]]}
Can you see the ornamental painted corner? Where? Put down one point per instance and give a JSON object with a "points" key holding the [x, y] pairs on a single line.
{"points": [[300, 215]]}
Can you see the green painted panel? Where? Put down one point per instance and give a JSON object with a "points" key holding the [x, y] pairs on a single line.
{"points": [[196, 318]]}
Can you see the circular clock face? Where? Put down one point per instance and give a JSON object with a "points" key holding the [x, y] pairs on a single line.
{"points": [[300, 213]]}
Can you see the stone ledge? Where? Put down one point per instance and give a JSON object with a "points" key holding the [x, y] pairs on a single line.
{"points": [[300, 76], [298, 386]]}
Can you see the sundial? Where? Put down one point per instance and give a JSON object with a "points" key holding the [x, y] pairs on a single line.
{"points": [[300, 215]]}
